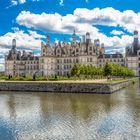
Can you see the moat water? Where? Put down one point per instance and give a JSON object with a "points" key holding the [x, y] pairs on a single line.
{"points": [[43, 116]]}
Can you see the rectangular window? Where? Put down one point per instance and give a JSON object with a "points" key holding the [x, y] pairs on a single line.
{"points": [[42, 60], [90, 59]]}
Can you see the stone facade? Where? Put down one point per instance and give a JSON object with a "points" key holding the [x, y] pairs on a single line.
{"points": [[132, 55], [59, 58], [20, 64]]}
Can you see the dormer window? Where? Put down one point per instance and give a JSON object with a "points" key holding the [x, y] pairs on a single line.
{"points": [[58, 51]]}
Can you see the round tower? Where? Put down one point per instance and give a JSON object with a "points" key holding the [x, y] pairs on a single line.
{"points": [[87, 36], [135, 43], [14, 43]]}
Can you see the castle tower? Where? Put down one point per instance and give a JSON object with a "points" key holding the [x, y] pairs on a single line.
{"points": [[13, 43], [135, 43], [83, 39], [48, 40], [87, 40], [87, 37], [102, 49]]}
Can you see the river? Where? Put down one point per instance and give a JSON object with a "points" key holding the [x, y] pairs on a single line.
{"points": [[51, 116]]}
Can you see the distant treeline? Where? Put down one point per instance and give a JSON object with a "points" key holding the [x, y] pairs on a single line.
{"points": [[2, 73], [108, 70]]}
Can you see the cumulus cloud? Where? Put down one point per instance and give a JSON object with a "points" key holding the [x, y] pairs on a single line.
{"points": [[24, 40], [35, 35], [128, 19], [83, 20]]}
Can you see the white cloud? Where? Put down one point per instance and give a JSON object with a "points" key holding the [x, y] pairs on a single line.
{"points": [[24, 41], [61, 2], [35, 35], [21, 1], [115, 32], [14, 2], [18, 2], [83, 20], [2, 65]]}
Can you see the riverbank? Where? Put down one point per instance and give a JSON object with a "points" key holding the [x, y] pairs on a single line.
{"points": [[84, 86]]}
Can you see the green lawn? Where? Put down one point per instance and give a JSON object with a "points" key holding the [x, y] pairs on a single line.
{"points": [[134, 79]]}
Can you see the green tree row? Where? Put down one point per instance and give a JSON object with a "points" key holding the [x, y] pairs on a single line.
{"points": [[108, 70], [117, 70]]}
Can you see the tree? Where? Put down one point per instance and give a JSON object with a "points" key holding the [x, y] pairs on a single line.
{"points": [[34, 76], [90, 71], [107, 69], [75, 71]]}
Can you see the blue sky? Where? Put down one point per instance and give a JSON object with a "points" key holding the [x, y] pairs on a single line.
{"points": [[30, 21]]}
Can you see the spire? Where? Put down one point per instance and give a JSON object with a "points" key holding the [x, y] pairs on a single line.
{"points": [[64, 40], [74, 36]]}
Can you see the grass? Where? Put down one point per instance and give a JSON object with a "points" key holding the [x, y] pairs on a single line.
{"points": [[3, 77], [61, 78], [28, 78], [134, 79]]}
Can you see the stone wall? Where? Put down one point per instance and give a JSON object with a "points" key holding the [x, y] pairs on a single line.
{"points": [[63, 87]]}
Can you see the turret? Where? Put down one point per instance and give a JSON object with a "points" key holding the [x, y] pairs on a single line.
{"points": [[135, 43], [87, 40], [59, 43], [83, 40], [97, 42], [102, 49], [48, 40], [13, 43], [87, 37], [64, 42], [42, 44]]}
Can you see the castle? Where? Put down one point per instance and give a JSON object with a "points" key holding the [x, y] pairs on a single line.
{"points": [[59, 58]]}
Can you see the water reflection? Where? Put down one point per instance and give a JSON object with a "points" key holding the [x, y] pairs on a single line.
{"points": [[41, 116]]}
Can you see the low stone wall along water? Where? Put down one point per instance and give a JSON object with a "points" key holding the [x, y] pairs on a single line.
{"points": [[64, 87]]}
